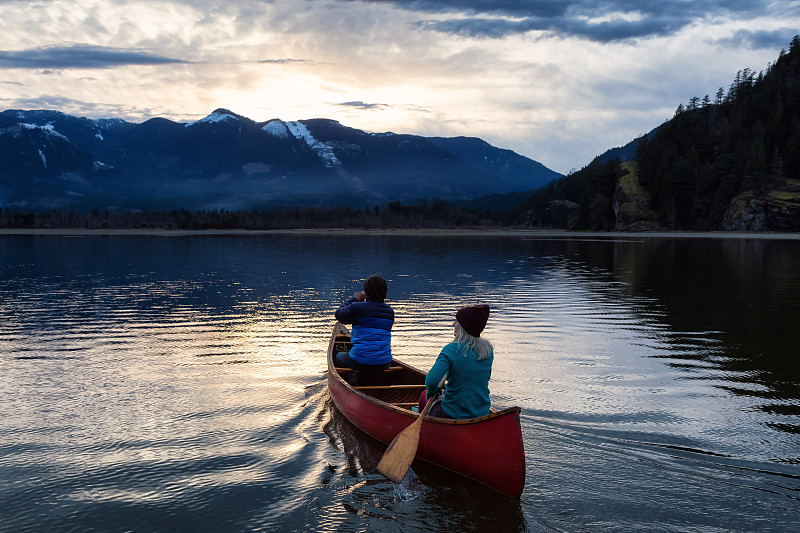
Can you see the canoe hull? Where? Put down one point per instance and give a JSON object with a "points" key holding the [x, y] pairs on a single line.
{"points": [[487, 449]]}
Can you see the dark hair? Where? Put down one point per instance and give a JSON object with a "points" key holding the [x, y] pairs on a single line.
{"points": [[375, 287]]}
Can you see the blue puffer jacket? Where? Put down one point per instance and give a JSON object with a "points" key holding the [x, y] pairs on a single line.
{"points": [[371, 333]]}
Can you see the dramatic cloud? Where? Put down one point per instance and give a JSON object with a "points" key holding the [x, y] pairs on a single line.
{"points": [[560, 8], [612, 20], [285, 61], [762, 39], [79, 56], [559, 81], [362, 105], [605, 31], [81, 109]]}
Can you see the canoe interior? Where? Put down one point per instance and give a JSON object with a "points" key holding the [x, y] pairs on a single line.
{"points": [[399, 386]]}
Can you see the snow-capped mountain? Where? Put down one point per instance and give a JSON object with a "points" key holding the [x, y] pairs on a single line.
{"points": [[52, 160]]}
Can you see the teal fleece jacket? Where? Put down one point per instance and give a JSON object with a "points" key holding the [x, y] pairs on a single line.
{"points": [[467, 389]]}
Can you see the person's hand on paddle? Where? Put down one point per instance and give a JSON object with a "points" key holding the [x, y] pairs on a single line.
{"points": [[398, 456], [360, 296], [440, 390]]}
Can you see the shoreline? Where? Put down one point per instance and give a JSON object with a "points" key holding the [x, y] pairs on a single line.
{"points": [[444, 232]]}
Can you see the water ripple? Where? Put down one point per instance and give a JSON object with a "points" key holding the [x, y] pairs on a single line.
{"points": [[179, 384]]}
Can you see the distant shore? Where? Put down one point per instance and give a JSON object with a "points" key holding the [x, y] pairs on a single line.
{"points": [[494, 232]]}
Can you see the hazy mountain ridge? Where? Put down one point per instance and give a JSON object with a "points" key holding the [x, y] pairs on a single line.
{"points": [[50, 160]]}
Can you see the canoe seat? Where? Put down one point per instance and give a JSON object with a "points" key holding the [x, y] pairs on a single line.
{"points": [[390, 369], [390, 387]]}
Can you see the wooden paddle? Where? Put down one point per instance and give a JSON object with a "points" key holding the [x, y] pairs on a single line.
{"points": [[400, 454]]}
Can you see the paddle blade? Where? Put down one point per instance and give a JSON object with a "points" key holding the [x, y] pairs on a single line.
{"points": [[400, 454]]}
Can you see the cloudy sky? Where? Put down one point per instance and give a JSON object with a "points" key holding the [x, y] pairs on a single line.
{"points": [[559, 81]]}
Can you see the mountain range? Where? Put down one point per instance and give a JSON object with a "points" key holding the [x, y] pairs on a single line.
{"points": [[51, 160]]}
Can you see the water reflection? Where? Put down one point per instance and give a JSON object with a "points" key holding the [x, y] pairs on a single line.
{"points": [[745, 305], [178, 382], [470, 506]]}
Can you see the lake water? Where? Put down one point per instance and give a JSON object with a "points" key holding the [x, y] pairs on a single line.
{"points": [[177, 383]]}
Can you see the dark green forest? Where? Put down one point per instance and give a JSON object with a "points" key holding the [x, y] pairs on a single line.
{"points": [[727, 162], [437, 214]]}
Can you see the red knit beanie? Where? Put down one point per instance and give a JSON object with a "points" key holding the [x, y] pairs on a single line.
{"points": [[473, 318]]}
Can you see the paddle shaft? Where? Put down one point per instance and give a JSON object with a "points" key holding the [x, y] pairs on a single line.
{"points": [[400, 454], [421, 417]]}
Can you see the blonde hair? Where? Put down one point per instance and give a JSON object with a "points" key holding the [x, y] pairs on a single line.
{"points": [[482, 347]]}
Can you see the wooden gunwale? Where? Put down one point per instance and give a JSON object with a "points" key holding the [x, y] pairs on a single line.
{"points": [[402, 366]]}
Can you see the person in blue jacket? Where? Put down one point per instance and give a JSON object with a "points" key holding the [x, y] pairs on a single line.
{"points": [[371, 331], [467, 362]]}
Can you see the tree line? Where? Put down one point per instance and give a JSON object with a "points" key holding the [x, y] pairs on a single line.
{"points": [[748, 140], [745, 140], [437, 214]]}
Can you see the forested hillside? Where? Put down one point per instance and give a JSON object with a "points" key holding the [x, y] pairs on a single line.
{"points": [[731, 161]]}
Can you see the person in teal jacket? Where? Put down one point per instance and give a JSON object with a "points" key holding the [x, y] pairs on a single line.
{"points": [[467, 362]]}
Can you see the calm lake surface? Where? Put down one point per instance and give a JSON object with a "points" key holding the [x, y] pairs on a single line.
{"points": [[177, 383]]}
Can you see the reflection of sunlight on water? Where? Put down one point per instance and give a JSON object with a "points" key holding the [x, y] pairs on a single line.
{"points": [[193, 386]]}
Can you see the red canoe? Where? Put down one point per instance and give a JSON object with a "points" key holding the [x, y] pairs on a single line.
{"points": [[487, 449]]}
